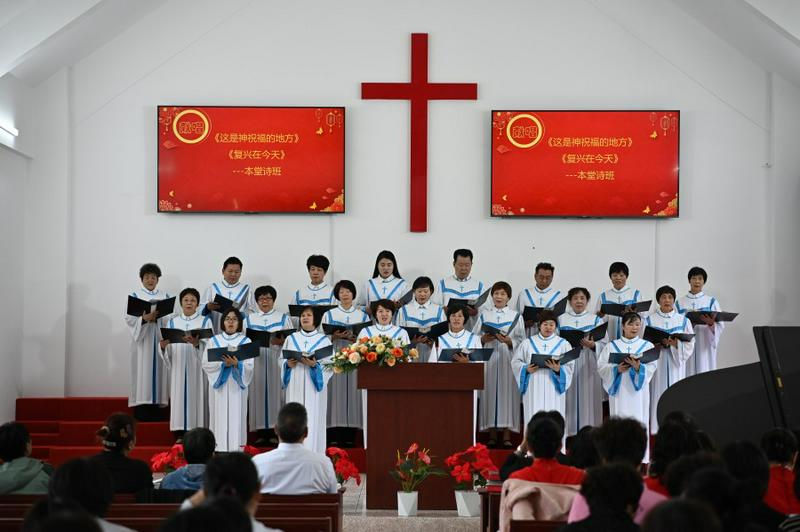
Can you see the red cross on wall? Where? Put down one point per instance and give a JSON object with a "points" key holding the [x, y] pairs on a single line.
{"points": [[419, 92]]}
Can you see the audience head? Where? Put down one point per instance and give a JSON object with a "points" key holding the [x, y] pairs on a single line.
{"points": [[715, 487], [672, 441], [385, 265], [582, 451], [621, 440], [612, 489], [15, 441], [749, 466], [219, 514], [85, 481], [233, 475], [780, 446], [544, 438], [292, 425], [680, 471], [119, 433], [69, 521], [555, 415], [682, 515], [199, 445]]}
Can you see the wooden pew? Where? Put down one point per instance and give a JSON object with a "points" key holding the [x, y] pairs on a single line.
{"points": [[536, 526], [490, 508], [30, 499], [151, 524], [292, 501]]}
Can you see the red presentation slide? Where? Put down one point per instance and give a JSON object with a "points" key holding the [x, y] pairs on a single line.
{"points": [[585, 163], [250, 159]]}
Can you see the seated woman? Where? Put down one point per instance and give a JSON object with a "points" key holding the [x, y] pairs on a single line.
{"points": [[118, 437], [19, 473], [229, 380], [305, 382], [457, 337]]}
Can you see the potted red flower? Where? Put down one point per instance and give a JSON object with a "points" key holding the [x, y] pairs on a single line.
{"points": [[410, 470], [344, 468], [470, 469], [168, 461]]}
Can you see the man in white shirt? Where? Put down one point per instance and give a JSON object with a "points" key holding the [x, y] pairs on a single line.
{"points": [[291, 469]]}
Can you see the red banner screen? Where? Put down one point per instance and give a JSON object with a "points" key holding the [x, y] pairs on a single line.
{"points": [[250, 159], [585, 163]]}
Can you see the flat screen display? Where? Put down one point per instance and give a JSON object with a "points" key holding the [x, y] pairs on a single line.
{"points": [[585, 163], [251, 159]]}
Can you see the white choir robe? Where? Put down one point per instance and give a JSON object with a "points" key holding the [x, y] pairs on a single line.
{"points": [[391, 288], [312, 295], [672, 360], [469, 288], [306, 385], [239, 292], [415, 315], [533, 297], [706, 338], [392, 331], [344, 397], [149, 373], [227, 396], [624, 296], [628, 394], [188, 389], [585, 396], [543, 389], [461, 340], [266, 392], [500, 399]]}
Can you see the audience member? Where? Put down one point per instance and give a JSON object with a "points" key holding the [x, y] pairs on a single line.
{"points": [[19, 473], [612, 492], [544, 438], [749, 466], [780, 446], [523, 456], [220, 514], [620, 440], [680, 471], [681, 515], [291, 468], [674, 439], [198, 449], [118, 437], [583, 453]]}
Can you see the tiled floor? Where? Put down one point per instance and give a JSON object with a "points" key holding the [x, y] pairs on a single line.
{"points": [[358, 518]]}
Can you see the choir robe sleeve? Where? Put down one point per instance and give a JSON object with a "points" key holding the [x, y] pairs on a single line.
{"points": [[649, 369], [717, 328], [606, 370], [402, 337], [211, 369], [245, 369], [519, 362], [136, 327], [208, 296], [563, 379], [684, 350], [517, 333]]}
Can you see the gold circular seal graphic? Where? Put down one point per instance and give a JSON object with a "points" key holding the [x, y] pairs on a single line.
{"points": [[534, 139], [179, 136]]}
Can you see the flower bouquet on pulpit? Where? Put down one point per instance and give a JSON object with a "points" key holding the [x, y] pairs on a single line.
{"points": [[378, 351], [410, 470], [470, 469]]}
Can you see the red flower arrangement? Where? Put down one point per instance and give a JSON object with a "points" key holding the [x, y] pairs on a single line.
{"points": [[470, 468], [413, 467], [344, 467], [249, 450], [168, 461]]}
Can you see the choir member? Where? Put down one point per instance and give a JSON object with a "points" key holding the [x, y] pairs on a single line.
{"points": [[229, 380], [318, 292], [305, 381], [543, 388], [674, 353], [585, 396], [344, 398], [628, 382], [231, 288], [708, 334], [266, 393], [542, 294], [457, 335], [500, 399], [461, 285], [149, 380], [421, 312], [619, 293], [386, 282], [188, 388]]}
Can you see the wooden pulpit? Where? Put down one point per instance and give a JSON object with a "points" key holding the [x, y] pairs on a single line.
{"points": [[431, 404]]}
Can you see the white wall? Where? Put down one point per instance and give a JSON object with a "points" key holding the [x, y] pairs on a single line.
{"points": [[523, 54], [13, 170]]}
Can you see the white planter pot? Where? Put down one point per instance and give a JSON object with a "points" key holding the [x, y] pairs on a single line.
{"points": [[468, 503], [407, 504]]}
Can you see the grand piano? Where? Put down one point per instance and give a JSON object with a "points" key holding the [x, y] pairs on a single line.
{"points": [[743, 402]]}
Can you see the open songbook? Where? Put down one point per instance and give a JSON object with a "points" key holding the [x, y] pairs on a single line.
{"points": [[651, 355], [176, 336], [241, 352], [355, 328], [319, 354], [654, 335], [492, 328], [262, 337], [433, 332], [532, 313], [569, 356], [619, 309], [477, 354], [574, 336], [718, 316], [140, 307], [475, 303]]}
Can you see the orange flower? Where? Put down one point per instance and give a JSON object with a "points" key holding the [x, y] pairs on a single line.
{"points": [[363, 349], [364, 340], [371, 357], [396, 351], [390, 360]]}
